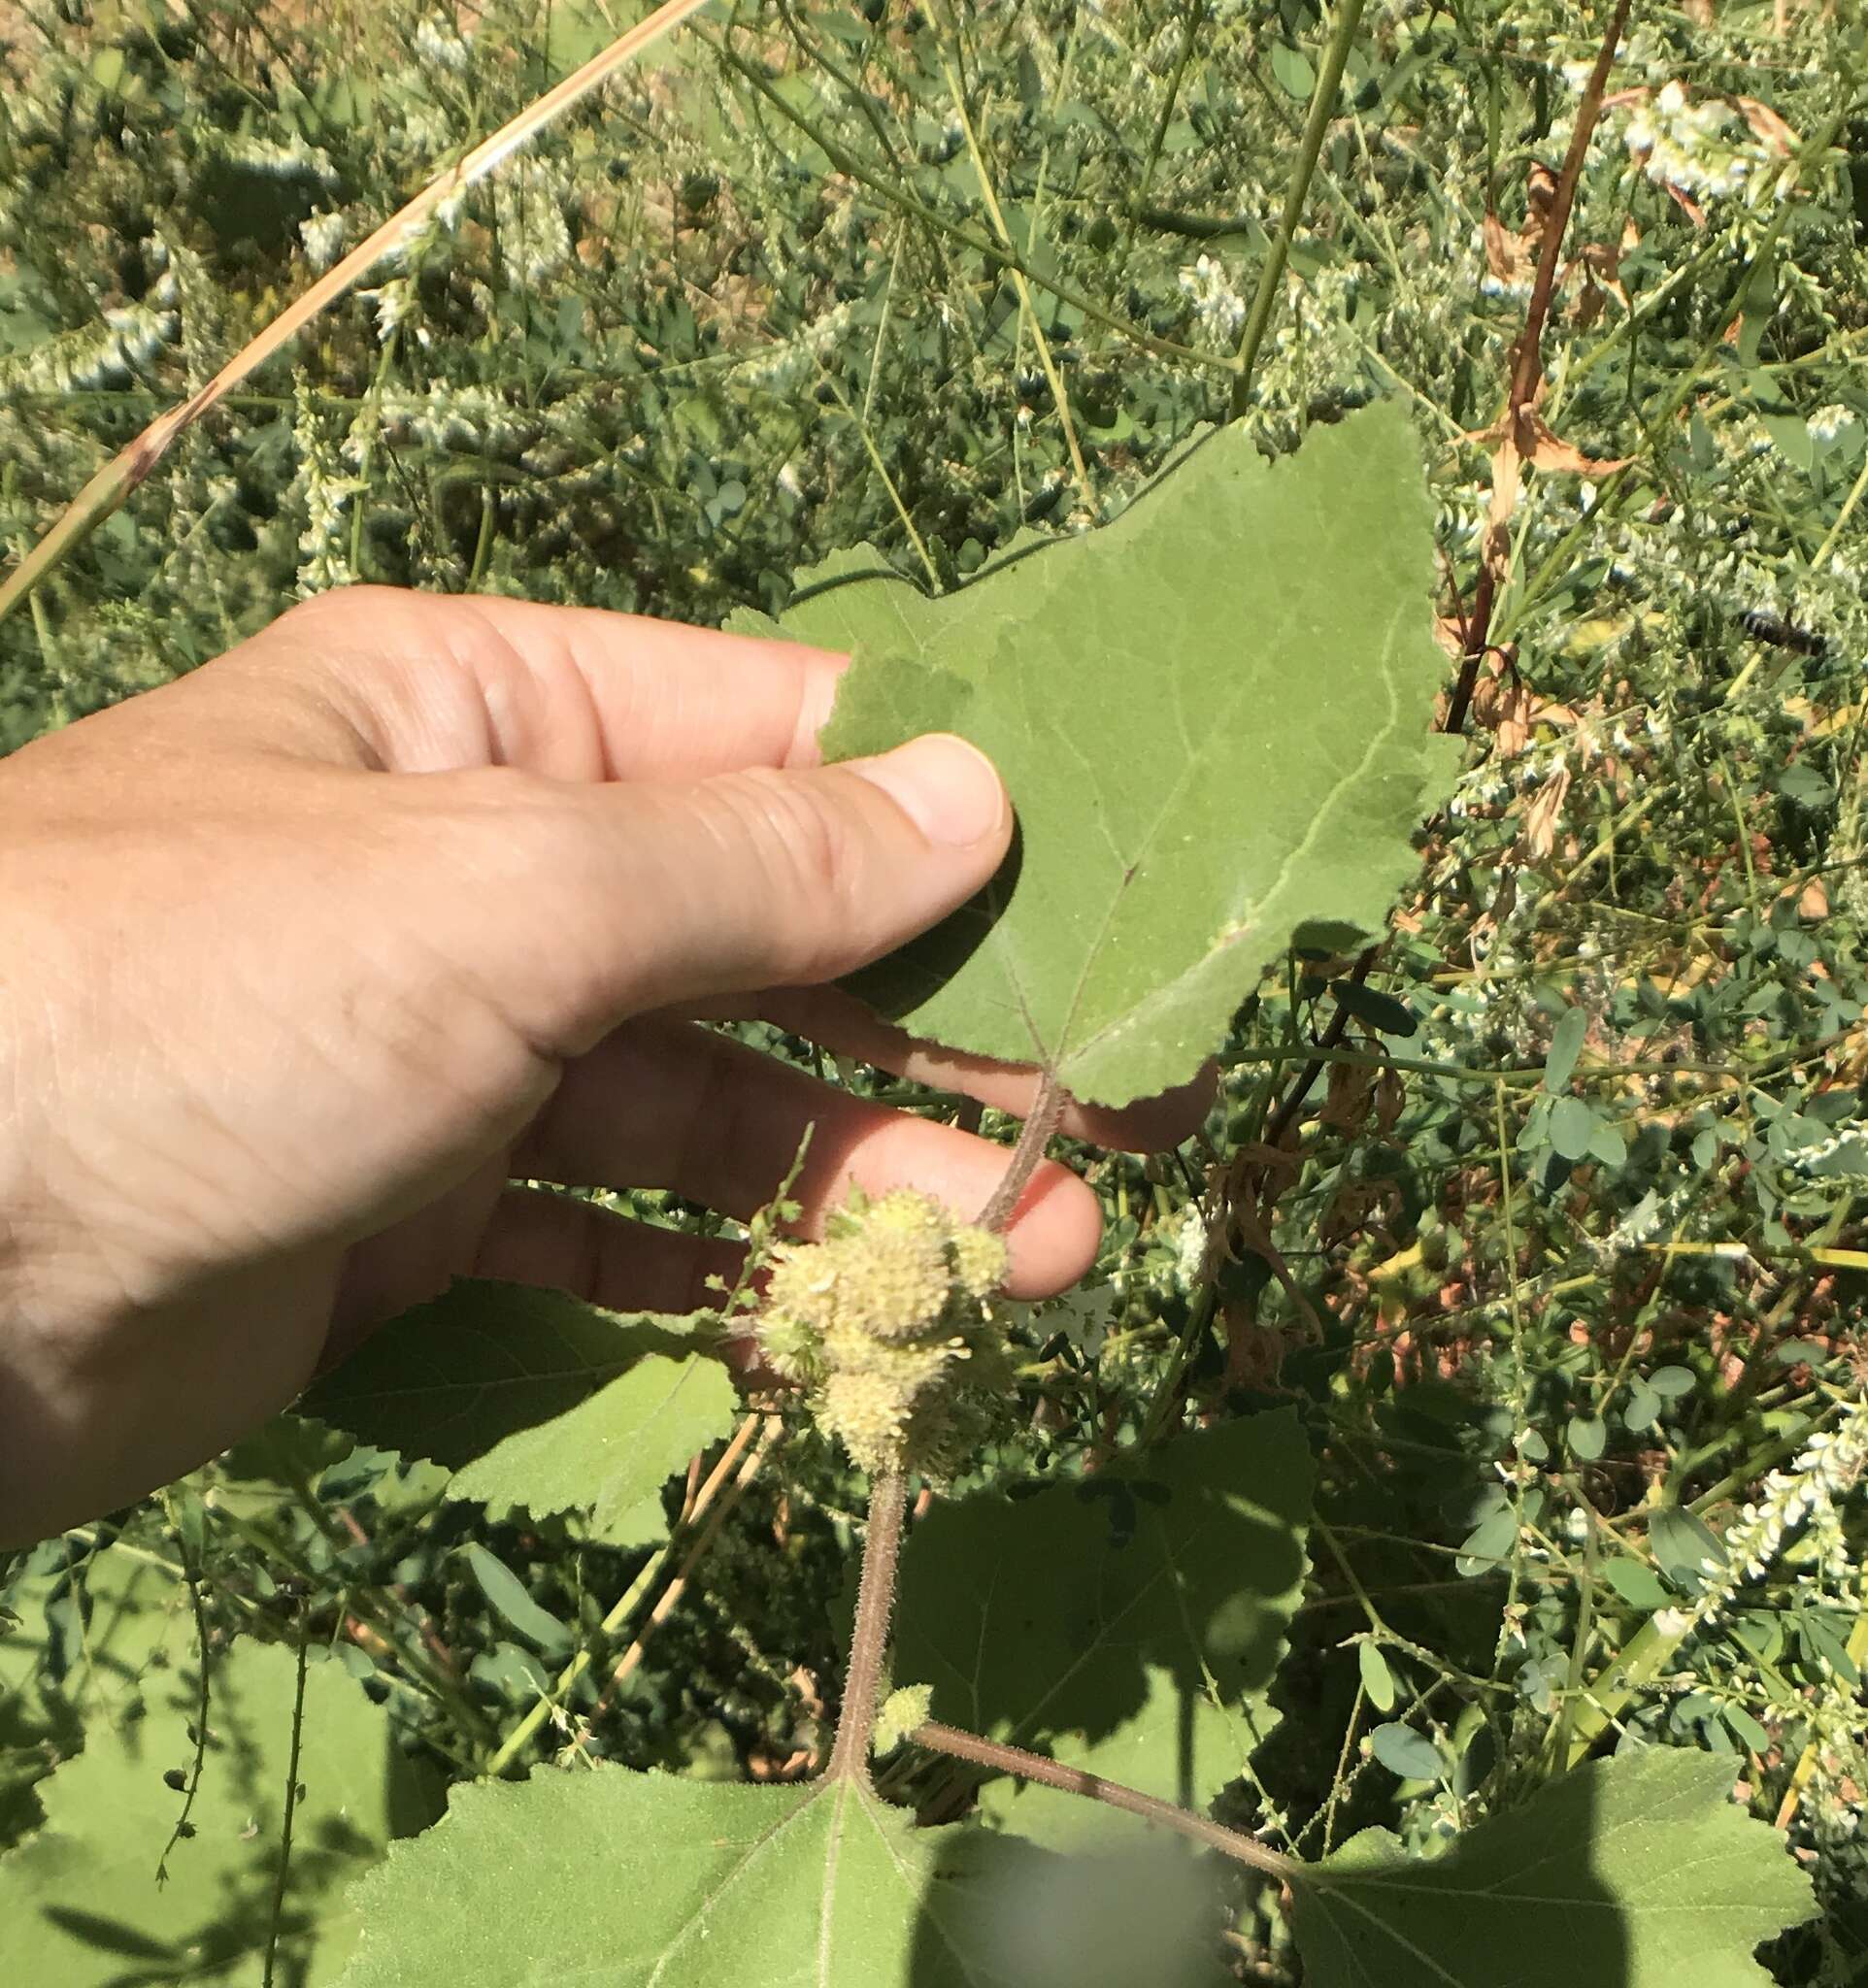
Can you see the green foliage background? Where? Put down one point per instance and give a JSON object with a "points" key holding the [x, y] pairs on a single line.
{"points": [[1562, 1264]]}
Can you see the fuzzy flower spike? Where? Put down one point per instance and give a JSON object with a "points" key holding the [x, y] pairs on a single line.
{"points": [[886, 1322]]}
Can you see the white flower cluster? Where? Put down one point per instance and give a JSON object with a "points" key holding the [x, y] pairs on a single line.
{"points": [[529, 201], [275, 161], [323, 235], [1650, 1216], [784, 366], [396, 306], [1844, 1152], [440, 46], [1830, 422], [1688, 144], [1190, 1250], [1166, 1272], [325, 490], [1806, 1493], [1219, 307], [1313, 351], [1166, 47], [94, 354], [456, 420]]}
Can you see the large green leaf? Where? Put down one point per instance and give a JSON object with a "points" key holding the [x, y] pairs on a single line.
{"points": [[79, 1902], [538, 1399], [653, 1881], [1129, 1624], [1214, 717], [1636, 1873], [89, 1625]]}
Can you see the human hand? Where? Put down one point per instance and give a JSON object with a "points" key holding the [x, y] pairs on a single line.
{"points": [[311, 952]]}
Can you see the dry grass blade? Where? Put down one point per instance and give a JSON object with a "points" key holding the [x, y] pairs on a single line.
{"points": [[121, 475]]}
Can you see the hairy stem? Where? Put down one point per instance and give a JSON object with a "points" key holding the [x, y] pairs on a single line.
{"points": [[1322, 107], [1047, 1113], [869, 1640], [1073, 1781]]}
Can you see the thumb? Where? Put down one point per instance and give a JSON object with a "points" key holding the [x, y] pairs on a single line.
{"points": [[765, 878]]}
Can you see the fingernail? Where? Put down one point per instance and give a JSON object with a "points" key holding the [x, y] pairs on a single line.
{"points": [[947, 788]]}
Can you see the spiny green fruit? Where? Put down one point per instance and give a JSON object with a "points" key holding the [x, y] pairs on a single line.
{"points": [[886, 1322]]}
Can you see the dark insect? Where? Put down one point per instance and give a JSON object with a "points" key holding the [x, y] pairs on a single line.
{"points": [[1779, 633]]}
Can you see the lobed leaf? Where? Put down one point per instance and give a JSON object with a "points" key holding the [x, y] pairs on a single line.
{"points": [[1130, 1623], [1213, 717], [1637, 1872], [536, 1400], [650, 1880]]}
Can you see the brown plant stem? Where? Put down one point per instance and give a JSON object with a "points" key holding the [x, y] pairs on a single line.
{"points": [[1074, 1780], [1046, 1114], [869, 1638], [1527, 355]]}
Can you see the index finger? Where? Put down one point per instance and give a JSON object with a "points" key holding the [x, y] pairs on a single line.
{"points": [[385, 679]]}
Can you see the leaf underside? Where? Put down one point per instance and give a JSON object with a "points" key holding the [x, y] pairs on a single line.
{"points": [[1213, 719], [536, 1400], [1636, 1871], [1129, 1624]]}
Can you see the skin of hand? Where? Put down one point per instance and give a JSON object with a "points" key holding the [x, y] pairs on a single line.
{"points": [[313, 953]]}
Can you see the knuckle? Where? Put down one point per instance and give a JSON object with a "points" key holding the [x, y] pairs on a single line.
{"points": [[806, 857]]}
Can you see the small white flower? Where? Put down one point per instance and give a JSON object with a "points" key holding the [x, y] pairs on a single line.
{"points": [[1220, 309], [323, 236], [441, 46], [1190, 1251], [394, 304]]}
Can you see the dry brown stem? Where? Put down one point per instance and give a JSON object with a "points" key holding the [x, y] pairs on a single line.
{"points": [[1522, 430]]}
